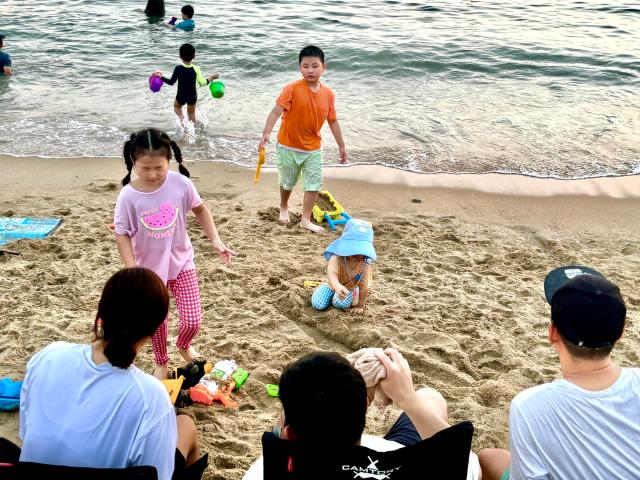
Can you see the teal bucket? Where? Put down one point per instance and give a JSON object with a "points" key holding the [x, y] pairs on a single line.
{"points": [[217, 88]]}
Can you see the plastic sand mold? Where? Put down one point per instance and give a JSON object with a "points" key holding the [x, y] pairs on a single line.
{"points": [[334, 217], [15, 228], [272, 390]]}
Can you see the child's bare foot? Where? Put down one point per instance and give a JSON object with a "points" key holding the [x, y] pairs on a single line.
{"points": [[161, 372], [189, 354], [311, 226], [284, 215]]}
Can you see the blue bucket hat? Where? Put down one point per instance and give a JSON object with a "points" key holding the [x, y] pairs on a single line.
{"points": [[356, 239]]}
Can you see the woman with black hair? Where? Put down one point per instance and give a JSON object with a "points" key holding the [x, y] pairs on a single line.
{"points": [[87, 405]]}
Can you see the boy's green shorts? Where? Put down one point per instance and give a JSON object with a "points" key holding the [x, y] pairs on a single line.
{"points": [[291, 163]]}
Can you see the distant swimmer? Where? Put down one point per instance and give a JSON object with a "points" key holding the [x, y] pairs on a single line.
{"points": [[5, 60], [187, 23], [155, 8]]}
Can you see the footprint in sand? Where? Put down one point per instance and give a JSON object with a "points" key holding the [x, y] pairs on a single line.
{"points": [[272, 214], [105, 187], [449, 237]]}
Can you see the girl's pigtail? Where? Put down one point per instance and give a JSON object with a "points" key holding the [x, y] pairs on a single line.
{"points": [[128, 159], [178, 154]]}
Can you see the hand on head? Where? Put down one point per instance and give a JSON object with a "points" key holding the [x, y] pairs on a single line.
{"points": [[398, 384]]}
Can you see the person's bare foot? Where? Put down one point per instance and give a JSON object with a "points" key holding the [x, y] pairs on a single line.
{"points": [[284, 215], [311, 226], [161, 371], [189, 354]]}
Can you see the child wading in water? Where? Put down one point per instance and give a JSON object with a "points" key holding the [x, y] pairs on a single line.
{"points": [[349, 269], [304, 106], [151, 231], [187, 75]]}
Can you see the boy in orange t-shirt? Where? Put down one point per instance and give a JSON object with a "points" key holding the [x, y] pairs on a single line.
{"points": [[304, 106]]}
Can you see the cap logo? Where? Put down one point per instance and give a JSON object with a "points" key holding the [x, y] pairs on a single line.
{"points": [[573, 272], [580, 343]]}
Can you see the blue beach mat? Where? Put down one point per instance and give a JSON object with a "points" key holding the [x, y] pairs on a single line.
{"points": [[14, 228]]}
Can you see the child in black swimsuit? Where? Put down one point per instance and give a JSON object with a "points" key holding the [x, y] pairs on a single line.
{"points": [[187, 75]]}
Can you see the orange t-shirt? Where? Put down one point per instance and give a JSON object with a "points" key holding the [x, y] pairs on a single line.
{"points": [[304, 114]]}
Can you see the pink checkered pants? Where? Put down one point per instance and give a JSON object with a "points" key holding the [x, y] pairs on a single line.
{"points": [[186, 293]]}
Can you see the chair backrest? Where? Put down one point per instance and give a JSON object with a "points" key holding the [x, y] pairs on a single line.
{"points": [[12, 468], [29, 470], [445, 455]]}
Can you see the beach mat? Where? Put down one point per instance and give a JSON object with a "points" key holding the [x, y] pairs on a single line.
{"points": [[15, 228]]}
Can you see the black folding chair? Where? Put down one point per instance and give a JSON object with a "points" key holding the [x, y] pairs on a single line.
{"points": [[445, 455], [12, 469]]}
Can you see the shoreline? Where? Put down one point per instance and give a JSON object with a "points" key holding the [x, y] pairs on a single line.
{"points": [[625, 186]]}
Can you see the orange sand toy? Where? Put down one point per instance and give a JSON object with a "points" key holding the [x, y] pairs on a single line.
{"points": [[209, 391], [261, 161]]}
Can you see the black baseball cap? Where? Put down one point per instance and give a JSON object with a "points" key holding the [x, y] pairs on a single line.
{"points": [[586, 308]]}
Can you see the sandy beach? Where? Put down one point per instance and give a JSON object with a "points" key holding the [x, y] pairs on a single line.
{"points": [[457, 288]]}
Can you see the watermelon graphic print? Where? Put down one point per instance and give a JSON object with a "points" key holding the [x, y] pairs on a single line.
{"points": [[156, 224], [162, 220]]}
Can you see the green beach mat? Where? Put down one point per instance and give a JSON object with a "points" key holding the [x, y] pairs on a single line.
{"points": [[15, 228]]}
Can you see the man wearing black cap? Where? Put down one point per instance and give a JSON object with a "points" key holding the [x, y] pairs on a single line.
{"points": [[587, 424], [5, 60]]}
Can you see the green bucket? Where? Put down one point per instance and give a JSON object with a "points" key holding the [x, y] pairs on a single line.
{"points": [[217, 88]]}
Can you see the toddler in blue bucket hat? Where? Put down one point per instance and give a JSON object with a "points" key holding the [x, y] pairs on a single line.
{"points": [[349, 269]]}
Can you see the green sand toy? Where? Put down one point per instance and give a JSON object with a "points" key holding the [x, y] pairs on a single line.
{"points": [[240, 376], [217, 88], [273, 390]]}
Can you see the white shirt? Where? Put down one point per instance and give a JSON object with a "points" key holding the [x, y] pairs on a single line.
{"points": [[74, 412], [561, 431]]}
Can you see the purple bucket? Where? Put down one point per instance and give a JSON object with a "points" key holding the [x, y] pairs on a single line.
{"points": [[155, 83]]}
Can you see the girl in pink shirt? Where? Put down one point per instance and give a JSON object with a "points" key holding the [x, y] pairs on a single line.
{"points": [[151, 231]]}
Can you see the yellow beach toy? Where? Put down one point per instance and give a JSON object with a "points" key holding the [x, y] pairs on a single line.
{"points": [[261, 161], [328, 209], [173, 387]]}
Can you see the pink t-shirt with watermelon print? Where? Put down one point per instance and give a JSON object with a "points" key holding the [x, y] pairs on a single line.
{"points": [[157, 224]]}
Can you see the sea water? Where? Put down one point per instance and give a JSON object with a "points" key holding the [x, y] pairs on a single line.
{"points": [[546, 88]]}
